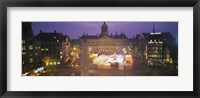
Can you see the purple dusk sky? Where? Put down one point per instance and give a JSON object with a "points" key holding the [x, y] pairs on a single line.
{"points": [[75, 29]]}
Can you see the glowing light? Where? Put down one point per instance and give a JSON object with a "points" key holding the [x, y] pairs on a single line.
{"points": [[30, 47], [46, 49], [23, 53], [167, 58], [151, 33], [47, 63], [108, 59]]}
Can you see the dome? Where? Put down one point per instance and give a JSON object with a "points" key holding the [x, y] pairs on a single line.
{"points": [[104, 24]]}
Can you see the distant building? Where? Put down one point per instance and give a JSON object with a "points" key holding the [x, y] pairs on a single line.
{"points": [[31, 58], [54, 47], [105, 43], [75, 45], [161, 48], [141, 41]]}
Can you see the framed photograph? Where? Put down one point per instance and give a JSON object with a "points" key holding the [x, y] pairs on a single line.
{"points": [[121, 48]]}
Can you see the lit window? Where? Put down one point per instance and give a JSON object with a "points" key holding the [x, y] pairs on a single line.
{"points": [[23, 48], [35, 47], [54, 63], [30, 47], [58, 62], [60, 57], [60, 52], [38, 47], [42, 49], [57, 40], [46, 49], [23, 53], [23, 41], [54, 37], [35, 53], [31, 60]]}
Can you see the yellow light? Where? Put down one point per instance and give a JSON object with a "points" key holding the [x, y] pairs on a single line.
{"points": [[23, 53], [46, 63], [46, 49], [167, 58]]}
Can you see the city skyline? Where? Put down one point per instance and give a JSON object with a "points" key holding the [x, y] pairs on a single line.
{"points": [[92, 28], [138, 49]]}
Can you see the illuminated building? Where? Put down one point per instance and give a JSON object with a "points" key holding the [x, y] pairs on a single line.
{"points": [[105, 43], [161, 48], [54, 47], [30, 49]]}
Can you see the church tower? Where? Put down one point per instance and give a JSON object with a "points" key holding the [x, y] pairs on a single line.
{"points": [[104, 29]]}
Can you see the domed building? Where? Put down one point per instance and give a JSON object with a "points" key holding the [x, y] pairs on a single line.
{"points": [[106, 44]]}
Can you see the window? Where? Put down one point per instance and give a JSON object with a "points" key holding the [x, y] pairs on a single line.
{"points": [[23, 48], [23, 53], [23, 41], [46, 49], [31, 60], [30, 47]]}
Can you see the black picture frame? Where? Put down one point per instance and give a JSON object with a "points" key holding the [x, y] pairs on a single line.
{"points": [[99, 3]]}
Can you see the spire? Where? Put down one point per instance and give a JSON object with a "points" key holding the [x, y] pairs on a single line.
{"points": [[154, 28], [104, 29]]}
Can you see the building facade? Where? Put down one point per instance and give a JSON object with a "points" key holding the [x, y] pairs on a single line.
{"points": [[156, 48], [54, 47], [140, 44], [31, 58], [105, 43], [161, 48]]}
